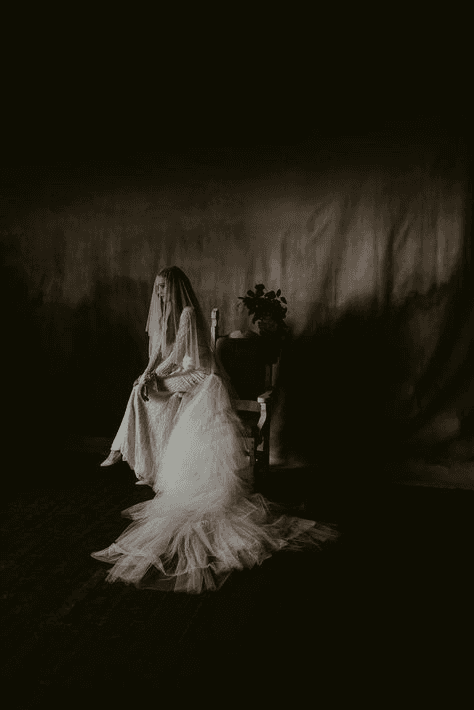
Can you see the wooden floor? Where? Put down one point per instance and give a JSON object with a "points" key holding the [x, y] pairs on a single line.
{"points": [[390, 600]]}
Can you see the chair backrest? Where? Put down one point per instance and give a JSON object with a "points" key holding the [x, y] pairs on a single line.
{"points": [[244, 359]]}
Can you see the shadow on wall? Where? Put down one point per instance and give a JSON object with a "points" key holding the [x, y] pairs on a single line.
{"points": [[361, 390], [333, 393], [358, 387], [109, 351], [355, 388], [69, 370], [34, 386]]}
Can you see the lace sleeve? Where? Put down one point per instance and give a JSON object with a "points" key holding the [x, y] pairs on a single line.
{"points": [[187, 375], [182, 346], [184, 382], [167, 366]]}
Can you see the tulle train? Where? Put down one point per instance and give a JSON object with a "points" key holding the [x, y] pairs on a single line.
{"points": [[203, 522], [193, 553]]}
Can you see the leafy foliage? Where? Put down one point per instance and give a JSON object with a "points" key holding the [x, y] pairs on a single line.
{"points": [[267, 308]]}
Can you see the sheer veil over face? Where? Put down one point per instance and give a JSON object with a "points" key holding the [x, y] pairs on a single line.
{"points": [[172, 293]]}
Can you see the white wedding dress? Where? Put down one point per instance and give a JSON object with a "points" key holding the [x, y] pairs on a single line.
{"points": [[146, 426], [204, 521]]}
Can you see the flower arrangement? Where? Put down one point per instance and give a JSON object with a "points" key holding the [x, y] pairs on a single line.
{"points": [[268, 309]]}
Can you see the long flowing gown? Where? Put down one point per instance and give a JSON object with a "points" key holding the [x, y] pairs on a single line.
{"points": [[204, 521], [146, 426]]}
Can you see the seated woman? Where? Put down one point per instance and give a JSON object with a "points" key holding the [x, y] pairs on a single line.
{"points": [[204, 521], [177, 363]]}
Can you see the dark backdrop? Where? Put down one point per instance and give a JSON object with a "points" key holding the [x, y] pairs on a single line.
{"points": [[366, 228]]}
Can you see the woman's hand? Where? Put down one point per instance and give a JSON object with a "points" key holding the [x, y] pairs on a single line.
{"points": [[157, 394], [143, 381]]}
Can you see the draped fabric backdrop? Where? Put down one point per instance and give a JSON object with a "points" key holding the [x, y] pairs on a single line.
{"points": [[369, 239]]}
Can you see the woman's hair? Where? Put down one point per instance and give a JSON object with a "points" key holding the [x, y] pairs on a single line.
{"points": [[179, 289]]}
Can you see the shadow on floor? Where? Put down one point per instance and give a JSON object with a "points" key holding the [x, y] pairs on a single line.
{"points": [[390, 600]]}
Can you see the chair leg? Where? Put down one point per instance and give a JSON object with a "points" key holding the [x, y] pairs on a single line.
{"points": [[262, 463], [262, 453], [251, 449]]}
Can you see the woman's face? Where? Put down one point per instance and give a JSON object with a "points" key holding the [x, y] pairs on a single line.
{"points": [[161, 287]]}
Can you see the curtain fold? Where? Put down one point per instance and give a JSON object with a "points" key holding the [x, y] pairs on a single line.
{"points": [[387, 344]]}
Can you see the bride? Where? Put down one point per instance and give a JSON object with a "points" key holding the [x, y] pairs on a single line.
{"points": [[182, 437], [179, 359]]}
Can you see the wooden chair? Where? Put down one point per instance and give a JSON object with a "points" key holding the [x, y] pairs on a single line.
{"points": [[245, 362]]}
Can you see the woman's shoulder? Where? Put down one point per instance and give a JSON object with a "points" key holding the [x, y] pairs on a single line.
{"points": [[187, 312], [187, 315]]}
